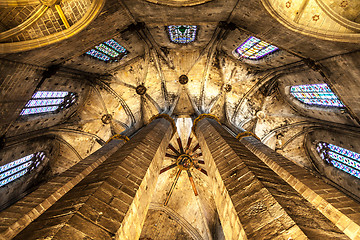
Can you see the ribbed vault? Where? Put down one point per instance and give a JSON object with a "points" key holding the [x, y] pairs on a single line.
{"points": [[318, 42]]}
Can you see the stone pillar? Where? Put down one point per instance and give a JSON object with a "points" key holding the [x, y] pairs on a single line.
{"points": [[16, 217], [340, 209], [112, 201], [252, 200]]}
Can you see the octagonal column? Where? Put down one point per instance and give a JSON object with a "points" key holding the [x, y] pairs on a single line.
{"points": [[252, 200], [19, 215], [336, 206], [113, 200]]}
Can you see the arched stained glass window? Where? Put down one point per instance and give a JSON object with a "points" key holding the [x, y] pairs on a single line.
{"points": [[255, 49], [48, 101], [182, 33], [316, 94], [12, 171], [339, 157], [109, 51]]}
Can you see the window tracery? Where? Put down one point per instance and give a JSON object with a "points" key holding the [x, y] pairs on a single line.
{"points": [[109, 51], [316, 94], [182, 33], [15, 169], [341, 158], [48, 101], [255, 49]]}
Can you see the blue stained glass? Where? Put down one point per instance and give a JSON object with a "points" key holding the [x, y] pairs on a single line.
{"points": [[49, 94], [44, 102], [98, 55], [316, 94], [347, 169], [11, 171], [341, 158], [14, 170], [48, 101], [108, 51], [15, 163], [344, 151], [27, 111], [345, 160], [112, 43], [255, 49], [182, 33], [12, 178]]}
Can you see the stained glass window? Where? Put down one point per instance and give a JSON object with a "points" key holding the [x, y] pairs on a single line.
{"points": [[182, 33], [339, 157], [12, 171], [48, 101], [255, 49], [109, 51], [316, 94]]}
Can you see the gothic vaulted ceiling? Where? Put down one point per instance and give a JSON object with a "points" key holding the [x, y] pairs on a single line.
{"points": [[44, 46]]}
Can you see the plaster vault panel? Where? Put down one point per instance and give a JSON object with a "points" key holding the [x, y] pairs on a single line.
{"points": [[317, 18]]}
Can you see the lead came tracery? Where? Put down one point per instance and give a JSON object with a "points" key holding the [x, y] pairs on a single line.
{"points": [[12, 171], [182, 33], [109, 51], [316, 94], [48, 102], [255, 49], [341, 158]]}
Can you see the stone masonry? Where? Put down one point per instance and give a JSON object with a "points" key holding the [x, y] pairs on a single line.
{"points": [[15, 218], [343, 211], [252, 200], [113, 200]]}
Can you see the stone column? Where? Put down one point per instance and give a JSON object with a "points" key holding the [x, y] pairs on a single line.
{"points": [[340, 209], [112, 201], [252, 200], [16, 217]]}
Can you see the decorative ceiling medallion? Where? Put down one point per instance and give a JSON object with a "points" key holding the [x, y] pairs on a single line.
{"points": [[183, 79], [344, 4], [141, 89], [106, 119], [316, 17], [227, 88], [179, 3]]}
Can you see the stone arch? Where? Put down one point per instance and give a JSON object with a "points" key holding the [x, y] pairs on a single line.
{"points": [[343, 12], [309, 77], [341, 139], [13, 47], [16, 189]]}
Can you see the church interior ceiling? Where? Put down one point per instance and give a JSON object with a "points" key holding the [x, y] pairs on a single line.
{"points": [[120, 62]]}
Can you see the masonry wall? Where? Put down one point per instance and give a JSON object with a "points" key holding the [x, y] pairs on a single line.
{"points": [[249, 193], [348, 141], [305, 77], [16, 189], [113, 200], [14, 98], [16, 217]]}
